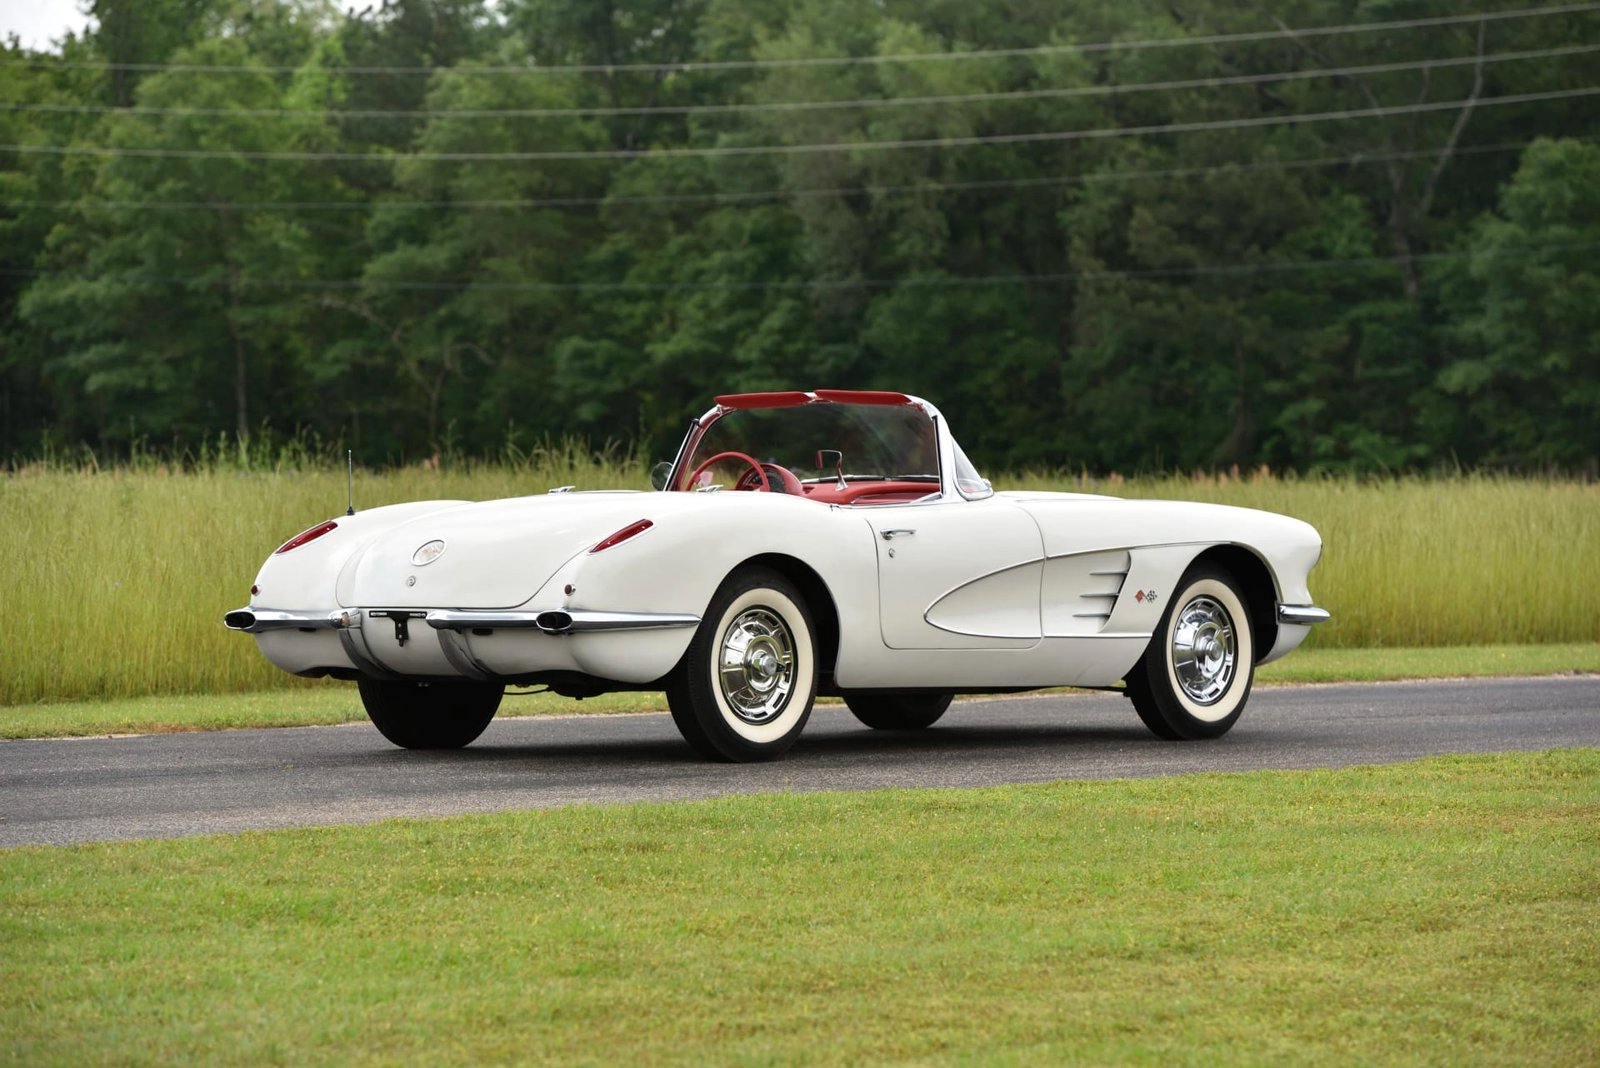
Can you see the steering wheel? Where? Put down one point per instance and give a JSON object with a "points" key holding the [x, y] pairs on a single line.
{"points": [[779, 480], [754, 465]]}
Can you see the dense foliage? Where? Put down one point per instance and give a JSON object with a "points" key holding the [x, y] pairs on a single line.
{"points": [[350, 226]]}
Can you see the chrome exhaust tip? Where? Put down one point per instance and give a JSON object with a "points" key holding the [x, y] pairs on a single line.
{"points": [[239, 619], [554, 622]]}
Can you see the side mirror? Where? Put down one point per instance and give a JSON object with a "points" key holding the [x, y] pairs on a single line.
{"points": [[833, 458], [660, 473]]}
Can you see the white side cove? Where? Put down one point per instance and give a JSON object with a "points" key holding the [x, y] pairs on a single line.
{"points": [[1004, 606]]}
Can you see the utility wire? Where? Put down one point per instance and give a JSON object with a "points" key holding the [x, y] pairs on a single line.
{"points": [[1353, 159], [1095, 133], [934, 281], [688, 66], [1113, 89]]}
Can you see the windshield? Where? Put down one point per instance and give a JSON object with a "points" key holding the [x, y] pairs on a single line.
{"points": [[820, 442]]}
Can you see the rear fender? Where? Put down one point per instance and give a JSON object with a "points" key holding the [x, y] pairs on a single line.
{"points": [[308, 576], [678, 565]]}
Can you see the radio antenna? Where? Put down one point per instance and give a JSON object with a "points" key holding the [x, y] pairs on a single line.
{"points": [[350, 479]]}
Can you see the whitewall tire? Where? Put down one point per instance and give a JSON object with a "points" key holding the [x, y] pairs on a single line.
{"points": [[1195, 676], [745, 687]]}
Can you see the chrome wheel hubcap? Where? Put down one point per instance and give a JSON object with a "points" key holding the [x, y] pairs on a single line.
{"points": [[756, 669], [1204, 652]]}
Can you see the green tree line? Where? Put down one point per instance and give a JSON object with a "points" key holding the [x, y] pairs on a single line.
{"points": [[1118, 234]]}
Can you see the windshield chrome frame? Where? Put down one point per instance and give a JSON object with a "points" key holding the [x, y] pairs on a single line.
{"points": [[690, 437]]}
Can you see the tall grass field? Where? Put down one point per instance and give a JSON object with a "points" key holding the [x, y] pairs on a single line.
{"points": [[114, 581]]}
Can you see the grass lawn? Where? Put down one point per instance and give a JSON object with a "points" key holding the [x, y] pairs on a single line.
{"points": [[337, 702], [1441, 912]]}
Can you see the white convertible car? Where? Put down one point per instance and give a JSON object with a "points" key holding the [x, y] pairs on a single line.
{"points": [[832, 542]]}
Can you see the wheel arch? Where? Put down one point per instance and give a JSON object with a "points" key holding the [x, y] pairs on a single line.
{"points": [[1259, 586], [818, 599]]}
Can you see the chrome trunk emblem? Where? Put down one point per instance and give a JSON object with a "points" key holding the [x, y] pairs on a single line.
{"points": [[428, 552]]}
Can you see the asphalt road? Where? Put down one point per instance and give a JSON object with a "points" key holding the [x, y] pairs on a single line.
{"points": [[89, 789]]}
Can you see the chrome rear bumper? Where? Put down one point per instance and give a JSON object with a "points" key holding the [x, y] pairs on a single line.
{"points": [[559, 621], [363, 632], [259, 620], [556, 621]]}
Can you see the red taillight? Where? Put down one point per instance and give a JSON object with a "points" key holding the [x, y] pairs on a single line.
{"points": [[624, 534], [307, 535]]}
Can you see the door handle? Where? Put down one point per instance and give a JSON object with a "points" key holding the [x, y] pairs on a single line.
{"points": [[898, 532]]}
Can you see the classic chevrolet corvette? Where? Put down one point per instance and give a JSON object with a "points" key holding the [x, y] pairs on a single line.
{"points": [[833, 542]]}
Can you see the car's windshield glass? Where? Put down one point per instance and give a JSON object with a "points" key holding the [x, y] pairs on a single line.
{"points": [[818, 442]]}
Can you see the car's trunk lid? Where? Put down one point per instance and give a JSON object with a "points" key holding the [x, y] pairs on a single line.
{"points": [[494, 555]]}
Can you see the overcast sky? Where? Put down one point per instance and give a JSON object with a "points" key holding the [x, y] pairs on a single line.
{"points": [[39, 23]]}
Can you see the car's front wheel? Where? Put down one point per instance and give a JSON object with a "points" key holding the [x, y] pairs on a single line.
{"points": [[430, 715], [744, 689], [890, 711], [1195, 676]]}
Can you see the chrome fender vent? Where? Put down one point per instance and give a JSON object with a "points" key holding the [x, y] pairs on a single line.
{"points": [[1081, 590]]}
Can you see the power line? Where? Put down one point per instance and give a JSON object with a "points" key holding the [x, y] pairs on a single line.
{"points": [[1113, 89], [1095, 133], [690, 66], [1354, 159], [935, 281]]}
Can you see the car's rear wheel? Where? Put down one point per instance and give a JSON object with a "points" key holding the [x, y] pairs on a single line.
{"points": [[889, 711], [1195, 676], [430, 715], [744, 689]]}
